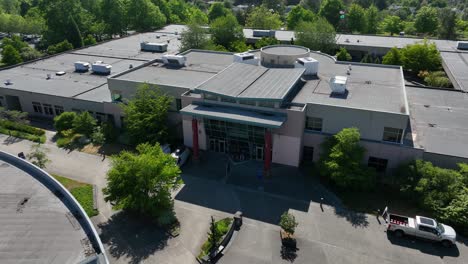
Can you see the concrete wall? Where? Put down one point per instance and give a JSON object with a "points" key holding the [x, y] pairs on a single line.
{"points": [[371, 124], [54, 186], [444, 161]]}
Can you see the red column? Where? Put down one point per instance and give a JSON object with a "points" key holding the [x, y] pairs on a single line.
{"points": [[195, 138], [267, 153]]}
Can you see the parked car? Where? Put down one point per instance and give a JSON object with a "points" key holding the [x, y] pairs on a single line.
{"points": [[421, 227], [181, 154]]}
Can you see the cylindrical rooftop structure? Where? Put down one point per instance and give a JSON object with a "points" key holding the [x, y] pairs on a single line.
{"points": [[282, 55]]}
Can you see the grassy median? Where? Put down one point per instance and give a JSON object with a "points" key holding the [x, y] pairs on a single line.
{"points": [[82, 192]]}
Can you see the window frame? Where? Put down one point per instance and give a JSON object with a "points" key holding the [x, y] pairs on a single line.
{"points": [[397, 133], [379, 164], [37, 107], [311, 123], [58, 109], [48, 109]]}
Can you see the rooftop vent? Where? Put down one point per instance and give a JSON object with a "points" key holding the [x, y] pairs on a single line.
{"points": [[48, 76], [81, 66], [8, 82], [462, 45], [153, 47], [99, 67], [338, 84], [174, 60], [311, 65], [263, 33], [60, 73], [246, 57]]}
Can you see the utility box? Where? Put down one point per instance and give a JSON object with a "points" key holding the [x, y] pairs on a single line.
{"points": [[338, 84], [311, 65], [174, 60], [246, 57], [99, 67], [81, 66], [153, 47], [462, 45]]}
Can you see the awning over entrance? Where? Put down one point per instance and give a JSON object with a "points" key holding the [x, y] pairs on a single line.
{"points": [[236, 115]]}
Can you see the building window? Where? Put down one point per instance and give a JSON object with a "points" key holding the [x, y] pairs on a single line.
{"points": [[37, 107], [392, 134], [380, 165], [228, 100], [58, 109], [314, 123], [266, 104], [100, 117], [178, 103], [48, 110], [248, 102], [76, 110], [210, 97], [116, 97]]}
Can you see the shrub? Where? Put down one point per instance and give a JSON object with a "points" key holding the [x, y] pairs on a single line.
{"points": [[111, 133], [19, 134], [84, 123], [98, 137], [64, 121], [437, 79], [21, 127], [288, 222], [343, 55]]}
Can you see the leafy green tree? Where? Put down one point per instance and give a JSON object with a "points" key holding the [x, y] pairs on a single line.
{"points": [[38, 156], [10, 6], [330, 9], [64, 121], [275, 5], [341, 161], [89, 40], [298, 14], [217, 10], [60, 47], [143, 15], [422, 56], [146, 115], [143, 181], [194, 37], [343, 55], [35, 22], [98, 137], [318, 35], [426, 20], [84, 123], [239, 46], [10, 56], [312, 5], [178, 11], [195, 15], [372, 19], [392, 24], [14, 41], [448, 24], [266, 41], [393, 57], [225, 31], [288, 222], [28, 53], [113, 13], [356, 18], [13, 115], [262, 18], [364, 3]]}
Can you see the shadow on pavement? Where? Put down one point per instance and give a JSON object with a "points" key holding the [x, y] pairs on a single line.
{"points": [[426, 247], [355, 218], [288, 253], [125, 235], [11, 140]]}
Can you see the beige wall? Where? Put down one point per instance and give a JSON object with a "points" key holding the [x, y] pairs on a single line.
{"points": [[371, 124], [444, 161]]}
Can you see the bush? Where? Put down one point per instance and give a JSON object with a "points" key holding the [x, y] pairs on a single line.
{"points": [[60, 47], [288, 222], [23, 135], [111, 133], [98, 137], [343, 55], [21, 127], [64, 121], [437, 79], [84, 123]]}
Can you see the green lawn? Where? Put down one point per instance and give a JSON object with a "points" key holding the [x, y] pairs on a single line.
{"points": [[223, 227], [82, 192]]}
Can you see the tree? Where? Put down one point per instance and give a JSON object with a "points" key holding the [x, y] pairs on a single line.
{"points": [[226, 30], [392, 24], [343, 55], [312, 5], [89, 40], [214, 235], [60, 47], [143, 15], [195, 15], [266, 41], [448, 24], [262, 18], [422, 56], [217, 10], [64, 121], [372, 19], [318, 35], [14, 41], [356, 18], [143, 181], [393, 57], [13, 115], [341, 161], [10, 56], [194, 37], [330, 9], [84, 123], [38, 156], [288, 222], [113, 14], [298, 14], [275, 5], [426, 20], [146, 115]]}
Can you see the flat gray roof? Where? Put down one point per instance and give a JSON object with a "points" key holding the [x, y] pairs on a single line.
{"points": [[246, 81], [285, 50], [238, 115], [456, 66], [42, 230], [369, 87], [439, 120]]}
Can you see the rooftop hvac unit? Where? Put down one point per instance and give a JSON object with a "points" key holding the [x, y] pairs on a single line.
{"points": [[153, 47], [100, 67], [338, 84], [246, 57], [81, 66], [311, 65], [174, 60], [462, 45], [263, 33]]}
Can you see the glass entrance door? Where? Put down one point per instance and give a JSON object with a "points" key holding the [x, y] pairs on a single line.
{"points": [[217, 145], [259, 153]]}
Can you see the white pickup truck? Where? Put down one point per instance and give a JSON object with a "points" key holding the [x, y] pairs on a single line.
{"points": [[420, 226]]}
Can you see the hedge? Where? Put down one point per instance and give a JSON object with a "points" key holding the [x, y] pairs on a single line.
{"points": [[10, 125], [23, 135]]}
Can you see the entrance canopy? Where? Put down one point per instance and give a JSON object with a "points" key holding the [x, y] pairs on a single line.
{"points": [[235, 115]]}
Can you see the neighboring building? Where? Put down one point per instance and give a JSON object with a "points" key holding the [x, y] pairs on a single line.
{"points": [[40, 221]]}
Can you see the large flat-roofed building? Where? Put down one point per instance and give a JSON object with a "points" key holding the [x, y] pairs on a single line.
{"points": [[40, 221]]}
